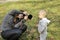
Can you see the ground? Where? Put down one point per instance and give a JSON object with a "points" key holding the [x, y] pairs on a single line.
{"points": [[33, 7]]}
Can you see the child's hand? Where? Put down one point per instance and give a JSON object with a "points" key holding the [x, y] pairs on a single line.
{"points": [[36, 25], [42, 31]]}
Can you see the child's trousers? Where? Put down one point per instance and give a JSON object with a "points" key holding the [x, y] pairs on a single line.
{"points": [[43, 36]]}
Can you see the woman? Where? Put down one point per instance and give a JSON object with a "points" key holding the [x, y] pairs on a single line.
{"points": [[13, 25]]}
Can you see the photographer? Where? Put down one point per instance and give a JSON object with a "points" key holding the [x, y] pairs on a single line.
{"points": [[13, 24]]}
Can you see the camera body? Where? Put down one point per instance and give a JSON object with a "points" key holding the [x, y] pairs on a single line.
{"points": [[24, 14], [29, 16]]}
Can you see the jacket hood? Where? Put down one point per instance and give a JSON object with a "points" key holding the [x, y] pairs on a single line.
{"points": [[14, 12]]}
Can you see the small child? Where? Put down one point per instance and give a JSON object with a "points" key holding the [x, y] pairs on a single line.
{"points": [[42, 26]]}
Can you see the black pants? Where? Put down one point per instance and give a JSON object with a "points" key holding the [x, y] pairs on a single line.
{"points": [[13, 34]]}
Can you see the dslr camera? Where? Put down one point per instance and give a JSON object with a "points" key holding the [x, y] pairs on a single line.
{"points": [[29, 16]]}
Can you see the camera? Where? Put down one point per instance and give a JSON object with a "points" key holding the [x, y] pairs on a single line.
{"points": [[29, 16]]}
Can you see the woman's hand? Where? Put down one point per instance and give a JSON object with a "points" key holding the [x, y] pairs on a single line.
{"points": [[26, 17]]}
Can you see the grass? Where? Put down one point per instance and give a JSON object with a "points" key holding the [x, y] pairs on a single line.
{"points": [[33, 7]]}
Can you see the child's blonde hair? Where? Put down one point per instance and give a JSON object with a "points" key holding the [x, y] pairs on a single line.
{"points": [[43, 12]]}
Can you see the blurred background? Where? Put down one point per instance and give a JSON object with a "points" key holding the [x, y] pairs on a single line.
{"points": [[33, 7]]}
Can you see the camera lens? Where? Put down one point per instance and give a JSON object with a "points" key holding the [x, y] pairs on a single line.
{"points": [[30, 16]]}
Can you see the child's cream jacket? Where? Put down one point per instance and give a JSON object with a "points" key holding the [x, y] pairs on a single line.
{"points": [[42, 26]]}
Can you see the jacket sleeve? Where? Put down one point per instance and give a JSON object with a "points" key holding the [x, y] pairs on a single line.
{"points": [[41, 26], [19, 23], [11, 22]]}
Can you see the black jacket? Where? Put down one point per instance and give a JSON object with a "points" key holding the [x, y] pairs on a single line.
{"points": [[8, 21]]}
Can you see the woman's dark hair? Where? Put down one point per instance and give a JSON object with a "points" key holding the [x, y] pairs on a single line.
{"points": [[15, 12]]}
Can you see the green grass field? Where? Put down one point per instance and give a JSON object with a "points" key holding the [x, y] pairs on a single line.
{"points": [[33, 7]]}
